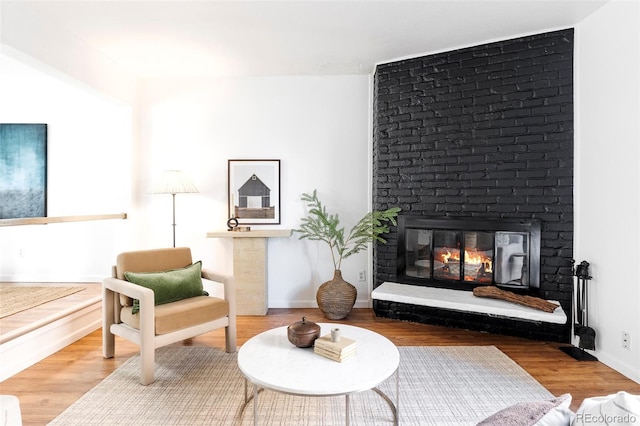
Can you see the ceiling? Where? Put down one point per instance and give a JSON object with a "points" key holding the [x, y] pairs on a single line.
{"points": [[305, 37]]}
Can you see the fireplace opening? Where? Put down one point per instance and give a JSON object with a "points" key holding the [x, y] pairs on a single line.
{"points": [[463, 253]]}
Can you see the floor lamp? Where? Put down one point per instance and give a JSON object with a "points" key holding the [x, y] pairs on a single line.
{"points": [[174, 182]]}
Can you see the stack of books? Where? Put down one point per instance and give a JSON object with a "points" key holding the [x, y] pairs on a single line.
{"points": [[337, 351]]}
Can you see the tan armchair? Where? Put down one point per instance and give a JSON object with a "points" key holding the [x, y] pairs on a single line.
{"points": [[156, 326]]}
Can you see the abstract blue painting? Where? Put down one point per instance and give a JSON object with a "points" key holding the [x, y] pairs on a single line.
{"points": [[23, 170]]}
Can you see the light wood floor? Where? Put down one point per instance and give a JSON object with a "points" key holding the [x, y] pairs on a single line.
{"points": [[53, 384]]}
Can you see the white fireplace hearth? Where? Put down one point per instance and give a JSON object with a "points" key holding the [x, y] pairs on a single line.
{"points": [[463, 301]]}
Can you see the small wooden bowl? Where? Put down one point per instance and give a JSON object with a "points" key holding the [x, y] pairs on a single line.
{"points": [[303, 333]]}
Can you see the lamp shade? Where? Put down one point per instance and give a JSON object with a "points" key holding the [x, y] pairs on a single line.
{"points": [[174, 182]]}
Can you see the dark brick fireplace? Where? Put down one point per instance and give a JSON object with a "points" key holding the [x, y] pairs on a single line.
{"points": [[481, 132]]}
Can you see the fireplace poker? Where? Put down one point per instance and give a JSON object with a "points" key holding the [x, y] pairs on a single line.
{"points": [[586, 334]]}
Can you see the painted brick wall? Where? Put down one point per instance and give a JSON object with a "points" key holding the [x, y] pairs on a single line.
{"points": [[485, 131]]}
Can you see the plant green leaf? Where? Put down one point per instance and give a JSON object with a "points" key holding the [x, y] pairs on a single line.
{"points": [[319, 225]]}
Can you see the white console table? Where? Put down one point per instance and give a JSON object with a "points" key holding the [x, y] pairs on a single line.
{"points": [[250, 267]]}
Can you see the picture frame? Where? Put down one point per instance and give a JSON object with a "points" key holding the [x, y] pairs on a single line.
{"points": [[23, 170], [254, 191]]}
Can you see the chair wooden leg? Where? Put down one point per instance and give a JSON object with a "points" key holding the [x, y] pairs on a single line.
{"points": [[108, 339], [230, 338], [108, 343], [147, 339], [147, 365]]}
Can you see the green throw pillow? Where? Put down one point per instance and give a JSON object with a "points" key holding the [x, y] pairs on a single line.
{"points": [[169, 286]]}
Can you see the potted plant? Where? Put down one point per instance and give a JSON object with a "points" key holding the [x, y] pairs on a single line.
{"points": [[337, 297]]}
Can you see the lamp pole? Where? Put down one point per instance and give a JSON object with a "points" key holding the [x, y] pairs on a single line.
{"points": [[174, 182], [173, 196]]}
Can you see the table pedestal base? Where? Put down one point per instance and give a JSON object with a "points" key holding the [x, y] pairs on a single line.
{"points": [[256, 390]]}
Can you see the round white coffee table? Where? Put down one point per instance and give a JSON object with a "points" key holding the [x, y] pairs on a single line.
{"points": [[270, 361]]}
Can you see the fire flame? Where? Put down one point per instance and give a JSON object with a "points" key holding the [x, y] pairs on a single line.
{"points": [[471, 257], [474, 257]]}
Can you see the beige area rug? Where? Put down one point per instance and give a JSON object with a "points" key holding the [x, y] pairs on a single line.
{"points": [[447, 385], [14, 299]]}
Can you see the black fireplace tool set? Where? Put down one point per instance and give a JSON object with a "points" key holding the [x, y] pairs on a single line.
{"points": [[586, 335]]}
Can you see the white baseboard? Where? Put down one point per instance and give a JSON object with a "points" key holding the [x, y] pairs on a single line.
{"points": [[622, 368], [26, 350], [303, 304]]}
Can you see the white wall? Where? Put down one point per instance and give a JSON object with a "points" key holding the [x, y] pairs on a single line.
{"points": [[607, 189], [317, 126], [89, 141]]}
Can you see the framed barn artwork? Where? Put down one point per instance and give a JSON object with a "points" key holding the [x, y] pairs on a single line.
{"points": [[254, 191]]}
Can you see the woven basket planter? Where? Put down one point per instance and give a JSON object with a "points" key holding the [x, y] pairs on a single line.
{"points": [[336, 297]]}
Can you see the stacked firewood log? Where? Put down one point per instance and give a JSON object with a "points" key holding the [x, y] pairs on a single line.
{"points": [[530, 301]]}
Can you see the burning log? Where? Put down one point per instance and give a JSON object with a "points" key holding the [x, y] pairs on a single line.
{"points": [[530, 301]]}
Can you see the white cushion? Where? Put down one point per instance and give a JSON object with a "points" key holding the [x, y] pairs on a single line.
{"points": [[10, 411], [561, 414], [621, 408]]}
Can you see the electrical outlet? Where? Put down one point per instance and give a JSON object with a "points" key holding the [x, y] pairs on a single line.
{"points": [[626, 340], [21, 252], [362, 276]]}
